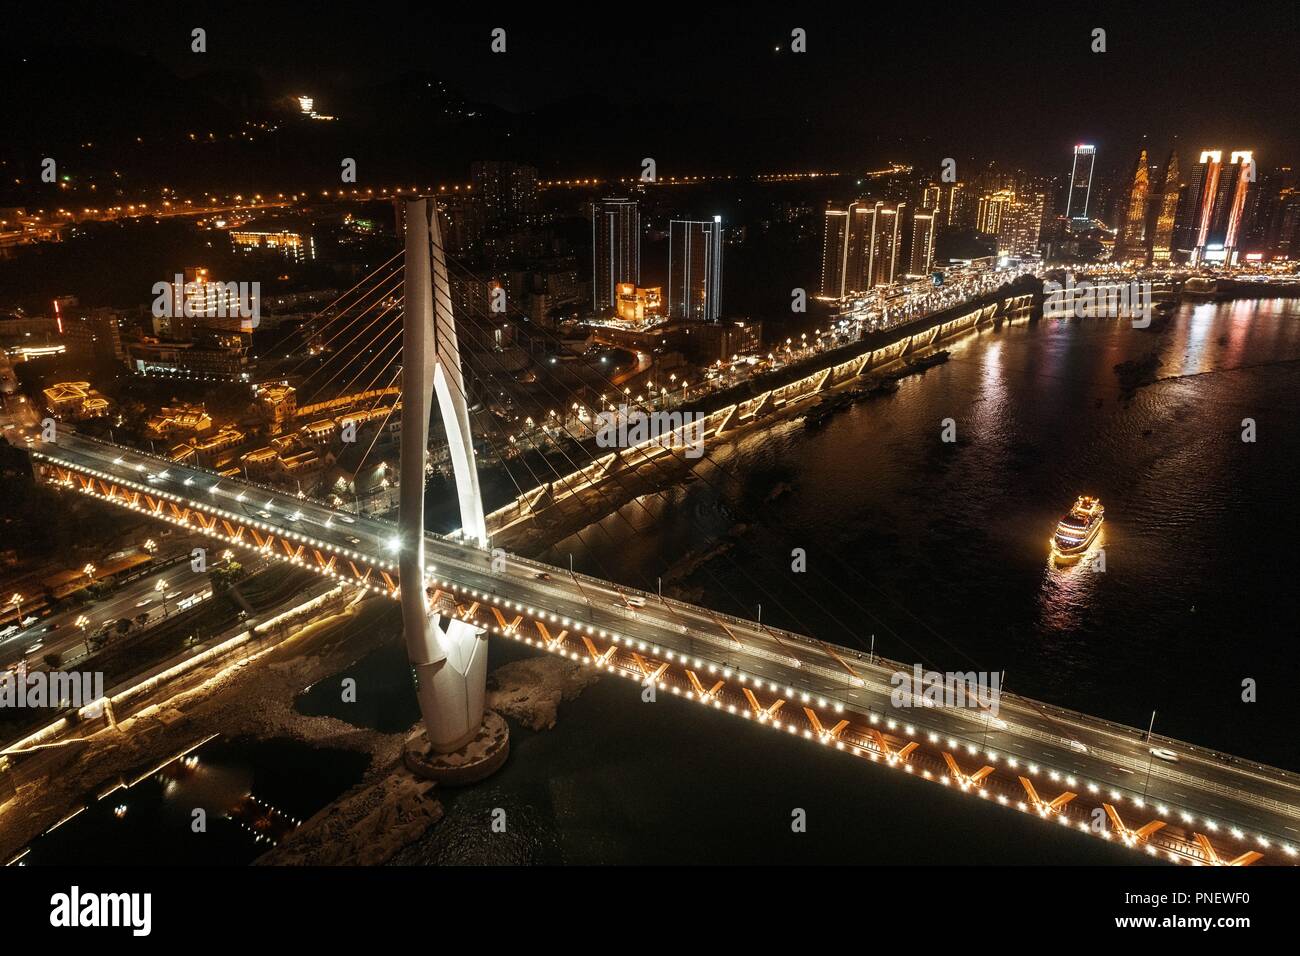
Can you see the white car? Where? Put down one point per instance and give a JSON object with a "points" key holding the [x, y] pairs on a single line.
{"points": [[1161, 753], [636, 601], [11, 629], [35, 647]]}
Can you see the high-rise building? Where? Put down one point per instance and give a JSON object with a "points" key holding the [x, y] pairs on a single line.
{"points": [[1195, 202], [863, 216], [1284, 231], [953, 207], [1020, 226], [1131, 237], [922, 242], [1261, 211], [508, 192], [1227, 229], [695, 269], [988, 215], [1164, 209], [1076, 204], [1211, 210], [835, 250], [931, 197], [889, 237], [869, 244], [847, 247], [615, 250]]}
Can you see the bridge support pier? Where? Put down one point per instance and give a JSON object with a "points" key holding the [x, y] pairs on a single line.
{"points": [[448, 656]]}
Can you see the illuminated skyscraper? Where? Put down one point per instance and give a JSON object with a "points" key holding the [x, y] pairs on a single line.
{"points": [[1131, 238], [616, 250], [695, 269], [863, 216], [885, 264], [988, 215], [922, 243], [835, 250], [1020, 226], [1196, 204], [1235, 182], [953, 207], [847, 253], [1164, 208], [1076, 204], [1211, 210]]}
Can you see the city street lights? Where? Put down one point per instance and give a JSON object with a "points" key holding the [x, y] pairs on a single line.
{"points": [[17, 601], [161, 588], [82, 621], [89, 572], [150, 545]]}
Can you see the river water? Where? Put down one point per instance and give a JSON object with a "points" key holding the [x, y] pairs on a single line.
{"points": [[940, 550]]}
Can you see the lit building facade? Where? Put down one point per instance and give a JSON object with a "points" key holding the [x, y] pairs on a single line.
{"points": [[988, 214], [922, 242], [636, 304], [1020, 226], [286, 242], [616, 251], [1080, 193], [835, 247], [695, 269], [1131, 238], [866, 245], [888, 239], [1212, 209], [1164, 212]]}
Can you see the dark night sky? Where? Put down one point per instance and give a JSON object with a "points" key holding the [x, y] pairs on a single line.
{"points": [[704, 87]]}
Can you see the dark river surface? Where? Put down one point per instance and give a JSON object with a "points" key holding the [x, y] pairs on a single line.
{"points": [[941, 549]]}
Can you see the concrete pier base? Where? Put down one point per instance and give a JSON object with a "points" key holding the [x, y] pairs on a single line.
{"points": [[483, 756]]}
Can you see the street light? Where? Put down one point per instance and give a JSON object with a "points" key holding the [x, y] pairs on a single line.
{"points": [[161, 588], [150, 545], [81, 622], [17, 601], [89, 572]]}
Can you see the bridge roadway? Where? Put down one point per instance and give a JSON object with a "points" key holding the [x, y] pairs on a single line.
{"points": [[1203, 791]]}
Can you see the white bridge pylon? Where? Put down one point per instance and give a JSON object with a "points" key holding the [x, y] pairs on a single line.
{"points": [[448, 656]]}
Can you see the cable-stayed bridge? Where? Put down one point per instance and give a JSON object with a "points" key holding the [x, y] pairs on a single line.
{"points": [[1063, 767]]}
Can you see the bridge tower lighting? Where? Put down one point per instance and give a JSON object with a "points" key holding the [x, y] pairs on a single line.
{"points": [[448, 656]]}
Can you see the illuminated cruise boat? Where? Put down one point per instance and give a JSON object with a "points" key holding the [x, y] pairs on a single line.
{"points": [[1079, 528]]}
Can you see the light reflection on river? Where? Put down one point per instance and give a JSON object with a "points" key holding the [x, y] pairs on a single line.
{"points": [[939, 550]]}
